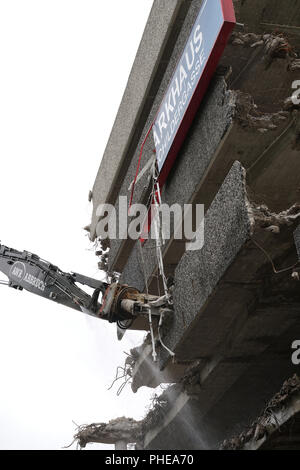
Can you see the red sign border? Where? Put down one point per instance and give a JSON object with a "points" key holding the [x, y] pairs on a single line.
{"points": [[208, 72]]}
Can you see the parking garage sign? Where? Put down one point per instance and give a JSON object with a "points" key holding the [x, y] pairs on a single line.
{"points": [[191, 78]]}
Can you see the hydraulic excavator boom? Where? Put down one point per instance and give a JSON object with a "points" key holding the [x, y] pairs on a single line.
{"points": [[112, 302], [28, 271]]}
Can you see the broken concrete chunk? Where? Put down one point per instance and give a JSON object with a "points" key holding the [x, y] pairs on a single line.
{"points": [[238, 42], [295, 65], [272, 222], [277, 47], [120, 429], [248, 39], [258, 43], [249, 115]]}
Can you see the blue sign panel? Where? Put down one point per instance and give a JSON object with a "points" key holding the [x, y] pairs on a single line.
{"points": [[187, 76]]}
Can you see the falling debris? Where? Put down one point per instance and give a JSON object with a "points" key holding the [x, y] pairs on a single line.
{"points": [[126, 429]]}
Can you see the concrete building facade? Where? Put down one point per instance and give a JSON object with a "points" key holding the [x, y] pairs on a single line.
{"points": [[237, 299]]}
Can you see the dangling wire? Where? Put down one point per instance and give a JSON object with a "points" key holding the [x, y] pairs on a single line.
{"points": [[154, 354], [275, 270], [154, 201], [159, 237], [126, 374], [160, 241], [149, 202]]}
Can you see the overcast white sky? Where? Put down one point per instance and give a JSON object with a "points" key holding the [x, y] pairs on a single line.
{"points": [[64, 65]]}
